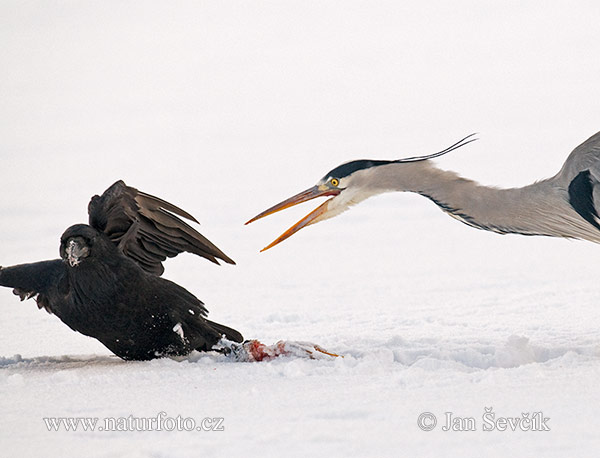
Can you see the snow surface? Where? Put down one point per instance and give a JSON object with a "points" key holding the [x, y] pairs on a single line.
{"points": [[226, 108]]}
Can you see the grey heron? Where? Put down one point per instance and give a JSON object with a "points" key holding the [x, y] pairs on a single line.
{"points": [[565, 205]]}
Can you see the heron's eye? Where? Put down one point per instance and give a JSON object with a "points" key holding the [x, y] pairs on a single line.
{"points": [[335, 182]]}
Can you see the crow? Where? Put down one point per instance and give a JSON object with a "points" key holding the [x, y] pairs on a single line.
{"points": [[108, 284]]}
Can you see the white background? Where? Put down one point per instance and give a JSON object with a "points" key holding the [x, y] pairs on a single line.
{"points": [[225, 108]]}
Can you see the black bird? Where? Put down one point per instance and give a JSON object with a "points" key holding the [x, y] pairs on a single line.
{"points": [[107, 284]]}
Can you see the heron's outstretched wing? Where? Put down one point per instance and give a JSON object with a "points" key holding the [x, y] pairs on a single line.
{"points": [[584, 157], [147, 229], [580, 176]]}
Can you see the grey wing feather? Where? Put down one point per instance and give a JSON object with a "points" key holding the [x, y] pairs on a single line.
{"points": [[147, 228], [580, 176], [584, 157]]}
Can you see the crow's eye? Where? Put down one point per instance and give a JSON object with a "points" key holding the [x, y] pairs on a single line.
{"points": [[335, 182]]}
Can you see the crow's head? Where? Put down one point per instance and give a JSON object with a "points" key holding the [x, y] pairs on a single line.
{"points": [[77, 244]]}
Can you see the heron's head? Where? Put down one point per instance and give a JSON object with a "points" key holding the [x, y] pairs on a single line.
{"points": [[346, 185], [77, 244]]}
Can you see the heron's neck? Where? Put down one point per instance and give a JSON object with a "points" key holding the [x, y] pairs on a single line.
{"points": [[537, 209]]}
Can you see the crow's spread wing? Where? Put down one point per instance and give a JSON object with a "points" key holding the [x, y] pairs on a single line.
{"points": [[46, 281], [147, 229]]}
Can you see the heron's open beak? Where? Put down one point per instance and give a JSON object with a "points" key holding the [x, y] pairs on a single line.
{"points": [[312, 217]]}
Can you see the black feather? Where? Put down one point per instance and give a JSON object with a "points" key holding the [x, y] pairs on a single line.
{"points": [[349, 168], [130, 217], [581, 197]]}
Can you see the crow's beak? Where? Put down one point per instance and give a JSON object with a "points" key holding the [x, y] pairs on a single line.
{"points": [[75, 252], [312, 217]]}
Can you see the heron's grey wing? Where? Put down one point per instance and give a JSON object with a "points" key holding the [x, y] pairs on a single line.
{"points": [[147, 229], [580, 175], [584, 157], [46, 281]]}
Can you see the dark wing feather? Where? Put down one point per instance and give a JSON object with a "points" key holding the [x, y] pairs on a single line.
{"points": [[44, 280], [581, 196], [147, 229]]}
